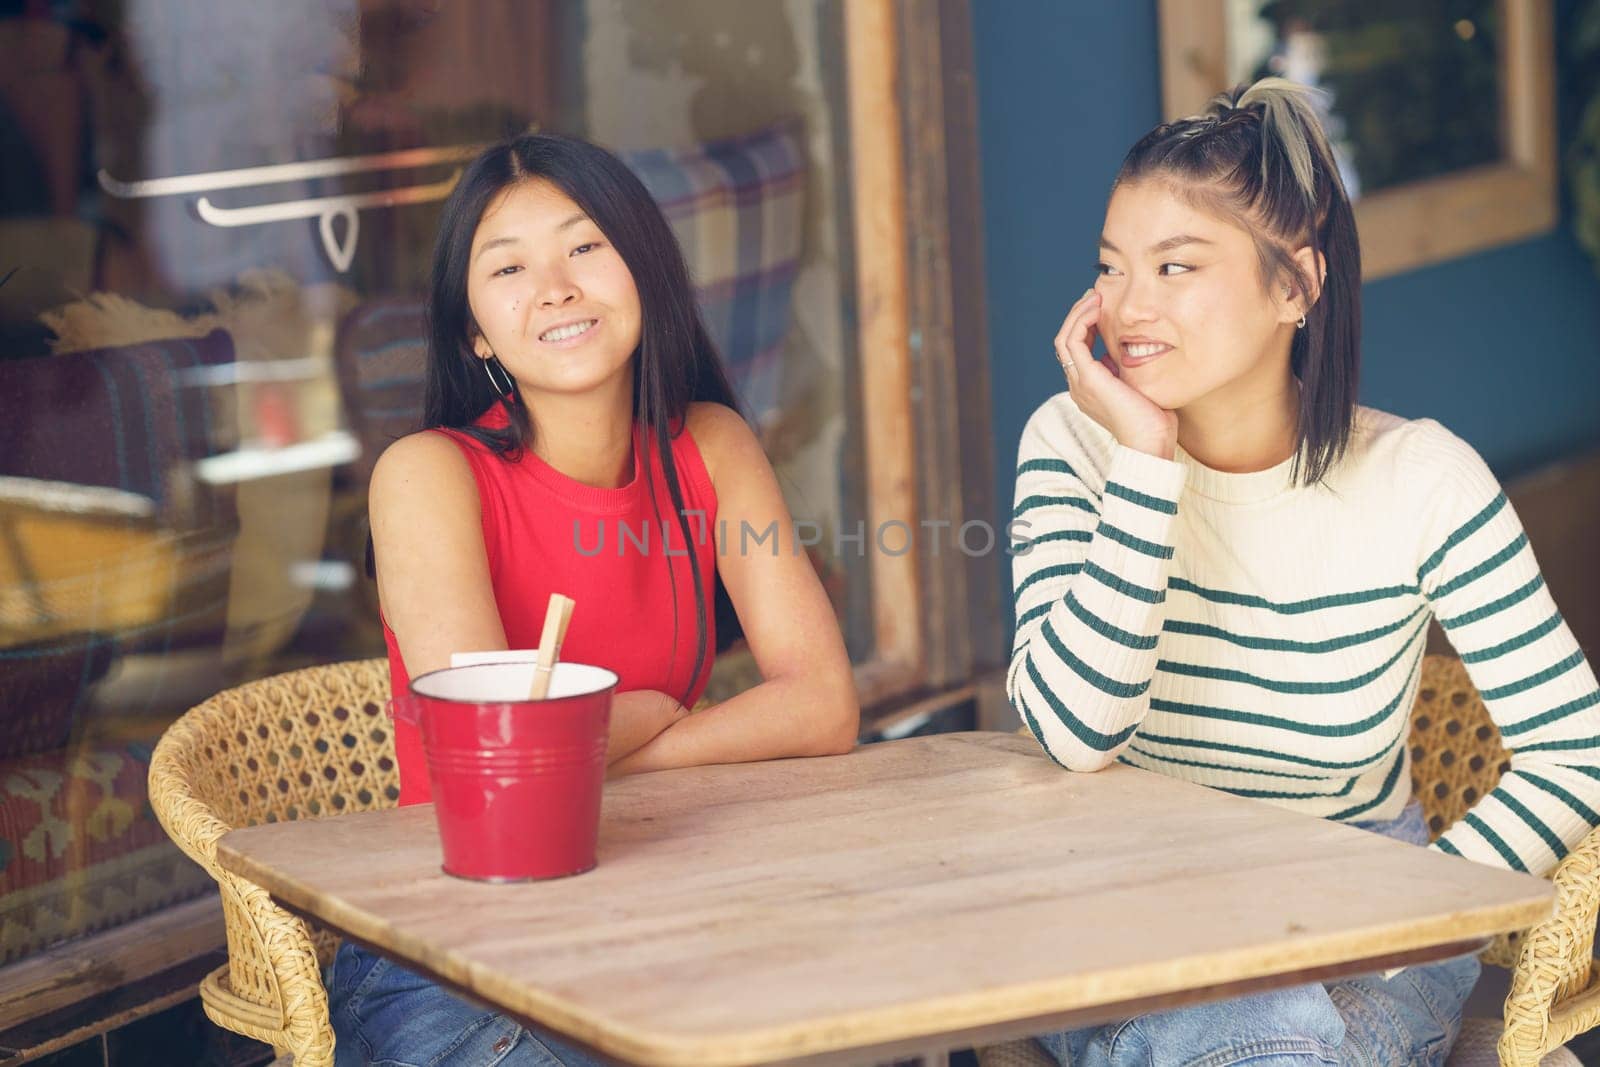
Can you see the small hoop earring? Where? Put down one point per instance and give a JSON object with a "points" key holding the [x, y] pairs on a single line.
{"points": [[1301, 324], [489, 370]]}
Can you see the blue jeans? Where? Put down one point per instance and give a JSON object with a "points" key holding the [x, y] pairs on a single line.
{"points": [[386, 1016], [1409, 1020]]}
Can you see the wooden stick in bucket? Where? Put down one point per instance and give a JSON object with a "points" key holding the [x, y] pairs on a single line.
{"points": [[556, 618]]}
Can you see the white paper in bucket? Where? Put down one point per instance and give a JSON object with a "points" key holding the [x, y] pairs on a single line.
{"points": [[504, 655], [502, 682]]}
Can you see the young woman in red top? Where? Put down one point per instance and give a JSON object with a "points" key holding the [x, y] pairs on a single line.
{"points": [[572, 390]]}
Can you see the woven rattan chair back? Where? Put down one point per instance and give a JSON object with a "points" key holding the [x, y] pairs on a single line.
{"points": [[1456, 755], [300, 745]]}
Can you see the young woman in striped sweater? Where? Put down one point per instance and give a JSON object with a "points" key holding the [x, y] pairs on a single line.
{"points": [[1226, 567]]}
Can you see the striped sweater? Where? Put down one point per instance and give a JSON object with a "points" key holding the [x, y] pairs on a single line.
{"points": [[1266, 639]]}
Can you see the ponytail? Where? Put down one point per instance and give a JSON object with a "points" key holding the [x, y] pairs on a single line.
{"points": [[1289, 122]]}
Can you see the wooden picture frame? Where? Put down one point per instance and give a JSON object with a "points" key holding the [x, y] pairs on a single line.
{"points": [[1435, 219]]}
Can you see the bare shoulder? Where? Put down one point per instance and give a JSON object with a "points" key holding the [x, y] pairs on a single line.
{"points": [[726, 442], [420, 469]]}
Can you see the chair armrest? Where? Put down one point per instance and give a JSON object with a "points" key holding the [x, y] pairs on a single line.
{"points": [[273, 987], [192, 824], [1553, 992]]}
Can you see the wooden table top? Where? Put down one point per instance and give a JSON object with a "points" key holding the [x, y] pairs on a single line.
{"points": [[958, 886]]}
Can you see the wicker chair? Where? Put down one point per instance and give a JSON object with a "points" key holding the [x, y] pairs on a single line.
{"points": [[308, 743], [1456, 757]]}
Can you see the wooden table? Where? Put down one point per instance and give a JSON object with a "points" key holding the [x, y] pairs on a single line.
{"points": [[945, 890]]}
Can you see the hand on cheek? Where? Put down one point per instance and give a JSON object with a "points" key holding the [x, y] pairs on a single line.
{"points": [[1101, 393]]}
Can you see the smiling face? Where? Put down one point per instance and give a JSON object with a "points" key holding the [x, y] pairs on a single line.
{"points": [[1185, 312], [550, 294]]}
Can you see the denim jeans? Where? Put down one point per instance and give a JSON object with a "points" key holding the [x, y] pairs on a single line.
{"points": [[1407, 1020], [386, 1016]]}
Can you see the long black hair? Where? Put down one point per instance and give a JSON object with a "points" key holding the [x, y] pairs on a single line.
{"points": [[1259, 154], [675, 364]]}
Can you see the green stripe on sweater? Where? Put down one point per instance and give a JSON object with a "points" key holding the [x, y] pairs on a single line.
{"points": [[1377, 801], [1223, 674], [1534, 823], [1269, 794], [1246, 750], [1583, 811], [1033, 613], [1105, 683], [1571, 707], [1522, 640], [1046, 466], [1085, 733], [1466, 530], [1506, 852], [1274, 644], [1293, 607], [1038, 732], [1022, 548], [1555, 670], [1144, 500], [1225, 766], [1516, 596], [1138, 544], [1059, 570], [1572, 745], [1028, 503], [1122, 587], [1126, 638], [1466, 578], [1360, 726]]}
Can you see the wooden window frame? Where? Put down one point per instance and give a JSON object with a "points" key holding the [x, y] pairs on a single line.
{"points": [[1435, 219], [921, 348]]}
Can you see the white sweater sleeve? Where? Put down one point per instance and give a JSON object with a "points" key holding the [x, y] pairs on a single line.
{"points": [[1092, 526], [1479, 575]]}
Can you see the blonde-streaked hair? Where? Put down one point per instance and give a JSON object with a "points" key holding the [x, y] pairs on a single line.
{"points": [[1258, 155]]}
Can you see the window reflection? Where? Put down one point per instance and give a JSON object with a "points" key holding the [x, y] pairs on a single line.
{"points": [[1412, 91], [214, 237]]}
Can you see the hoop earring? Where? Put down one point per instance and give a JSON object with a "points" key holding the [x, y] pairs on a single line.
{"points": [[1301, 324], [489, 370]]}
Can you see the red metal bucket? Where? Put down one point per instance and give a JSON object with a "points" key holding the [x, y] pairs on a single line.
{"points": [[516, 782]]}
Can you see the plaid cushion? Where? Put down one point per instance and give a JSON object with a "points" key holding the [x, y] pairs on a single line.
{"points": [[381, 352], [120, 418], [736, 207]]}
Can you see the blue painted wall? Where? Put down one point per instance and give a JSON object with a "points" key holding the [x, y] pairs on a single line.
{"points": [[1502, 347]]}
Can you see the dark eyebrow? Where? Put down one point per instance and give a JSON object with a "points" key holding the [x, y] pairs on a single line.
{"points": [[495, 243], [512, 239], [1162, 246], [1177, 242]]}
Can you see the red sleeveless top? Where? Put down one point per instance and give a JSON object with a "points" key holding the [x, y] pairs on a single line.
{"points": [[546, 533]]}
